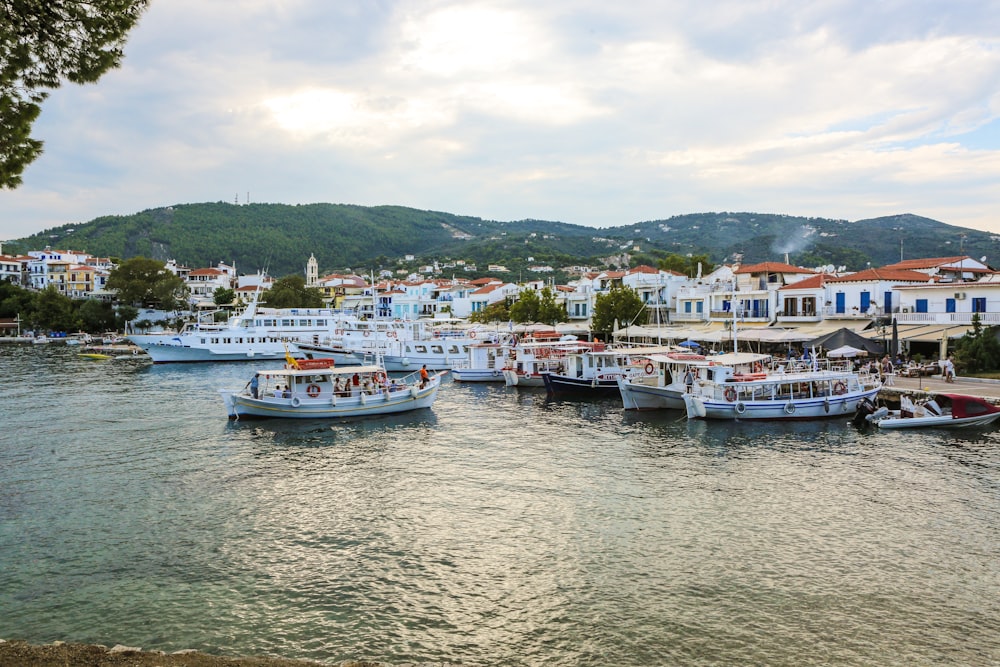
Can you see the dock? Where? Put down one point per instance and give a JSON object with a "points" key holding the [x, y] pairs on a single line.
{"points": [[920, 387]]}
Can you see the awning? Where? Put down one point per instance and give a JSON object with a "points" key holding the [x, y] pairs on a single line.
{"points": [[921, 333]]}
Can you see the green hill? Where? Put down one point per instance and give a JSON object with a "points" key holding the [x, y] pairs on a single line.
{"points": [[280, 238]]}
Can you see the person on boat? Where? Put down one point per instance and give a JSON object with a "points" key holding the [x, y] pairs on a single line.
{"points": [[423, 376], [254, 385], [277, 391], [287, 392], [688, 380]]}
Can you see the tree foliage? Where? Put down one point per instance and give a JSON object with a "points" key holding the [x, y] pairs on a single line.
{"points": [[42, 43], [688, 265], [141, 281], [534, 306], [495, 312], [223, 296], [620, 304], [291, 292], [978, 350]]}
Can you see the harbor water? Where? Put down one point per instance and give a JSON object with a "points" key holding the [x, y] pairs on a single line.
{"points": [[497, 528]]}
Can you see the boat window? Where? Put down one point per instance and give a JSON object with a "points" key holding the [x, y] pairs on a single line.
{"points": [[437, 349], [420, 349], [453, 349], [227, 341]]}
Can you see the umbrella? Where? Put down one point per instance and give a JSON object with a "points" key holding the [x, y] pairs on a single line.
{"points": [[895, 338], [689, 343], [846, 351]]}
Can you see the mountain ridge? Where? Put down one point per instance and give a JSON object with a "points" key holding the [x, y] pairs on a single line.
{"points": [[281, 237]]}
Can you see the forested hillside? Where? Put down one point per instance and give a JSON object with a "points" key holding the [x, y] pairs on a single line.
{"points": [[280, 238]]}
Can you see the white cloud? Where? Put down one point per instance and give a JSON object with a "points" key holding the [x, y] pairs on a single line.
{"points": [[584, 111]]}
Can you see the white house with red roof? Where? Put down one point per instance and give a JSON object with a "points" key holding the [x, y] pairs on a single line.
{"points": [[869, 293], [946, 269], [950, 303], [202, 283], [752, 292]]}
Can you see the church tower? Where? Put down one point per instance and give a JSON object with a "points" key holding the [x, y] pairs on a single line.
{"points": [[312, 271]]}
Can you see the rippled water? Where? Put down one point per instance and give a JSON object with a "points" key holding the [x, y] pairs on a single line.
{"points": [[496, 528]]}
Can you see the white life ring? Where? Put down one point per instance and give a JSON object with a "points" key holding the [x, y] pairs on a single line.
{"points": [[649, 368], [740, 407], [789, 408], [496, 373], [296, 402]]}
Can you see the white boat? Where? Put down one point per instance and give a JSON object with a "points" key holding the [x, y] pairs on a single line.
{"points": [[938, 411], [597, 371], [528, 361], [661, 384], [253, 335], [828, 390], [484, 362], [320, 389]]}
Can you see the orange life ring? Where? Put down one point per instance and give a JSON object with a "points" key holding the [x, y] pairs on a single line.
{"points": [[839, 388], [649, 368], [312, 390], [472, 334], [757, 368], [367, 333], [380, 378], [730, 394], [391, 334]]}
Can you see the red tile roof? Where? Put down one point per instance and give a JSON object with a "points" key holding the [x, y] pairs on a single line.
{"points": [[926, 263], [772, 267], [884, 273]]}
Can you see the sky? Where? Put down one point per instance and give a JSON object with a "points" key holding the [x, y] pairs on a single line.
{"points": [[582, 111]]}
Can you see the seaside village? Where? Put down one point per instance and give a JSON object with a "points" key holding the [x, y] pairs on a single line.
{"points": [[931, 300]]}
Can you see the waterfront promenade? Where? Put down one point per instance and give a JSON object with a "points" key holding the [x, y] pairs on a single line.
{"points": [[987, 389]]}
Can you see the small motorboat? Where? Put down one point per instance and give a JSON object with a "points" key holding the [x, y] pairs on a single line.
{"points": [[96, 356], [937, 411]]}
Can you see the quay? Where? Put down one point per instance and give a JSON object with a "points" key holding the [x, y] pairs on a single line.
{"points": [[920, 387]]}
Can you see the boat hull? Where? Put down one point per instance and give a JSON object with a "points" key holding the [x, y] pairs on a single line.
{"points": [[945, 421], [163, 349], [242, 406], [476, 375], [640, 396], [699, 407], [556, 384]]}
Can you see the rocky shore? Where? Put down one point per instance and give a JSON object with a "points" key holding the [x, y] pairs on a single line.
{"points": [[62, 654]]}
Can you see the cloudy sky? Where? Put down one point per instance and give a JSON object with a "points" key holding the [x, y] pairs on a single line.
{"points": [[584, 111]]}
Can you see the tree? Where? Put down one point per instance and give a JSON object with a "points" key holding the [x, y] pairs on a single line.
{"points": [[43, 42], [525, 309], [495, 312], [223, 296], [96, 316], [549, 310], [621, 304], [291, 292], [688, 265], [141, 281], [978, 350], [55, 311]]}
